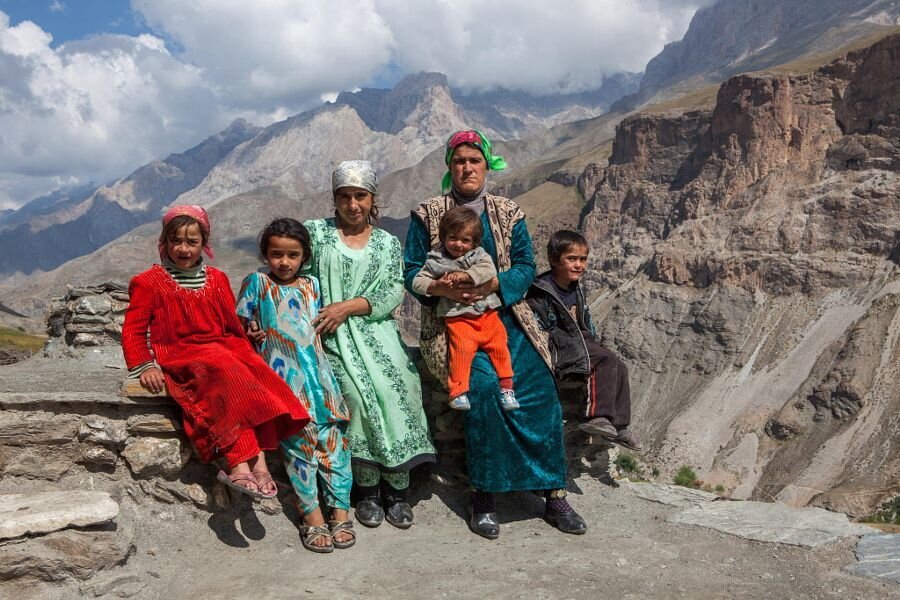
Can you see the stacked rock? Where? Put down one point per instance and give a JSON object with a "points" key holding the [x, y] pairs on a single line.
{"points": [[89, 316]]}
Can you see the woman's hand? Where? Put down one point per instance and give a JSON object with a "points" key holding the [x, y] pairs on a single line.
{"points": [[152, 380], [462, 292], [333, 316]]}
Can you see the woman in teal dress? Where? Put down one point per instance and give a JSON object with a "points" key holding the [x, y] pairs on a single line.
{"points": [[505, 451], [360, 270]]}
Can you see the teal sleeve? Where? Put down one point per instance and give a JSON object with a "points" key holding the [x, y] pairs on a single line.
{"points": [[418, 244], [515, 282], [246, 300]]}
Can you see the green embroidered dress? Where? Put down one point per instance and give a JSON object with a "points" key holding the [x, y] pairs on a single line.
{"points": [[379, 381]]}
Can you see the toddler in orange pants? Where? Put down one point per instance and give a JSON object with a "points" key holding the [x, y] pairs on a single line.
{"points": [[474, 327]]}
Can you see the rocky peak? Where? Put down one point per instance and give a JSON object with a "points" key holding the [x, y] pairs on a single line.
{"points": [[735, 36], [389, 111]]}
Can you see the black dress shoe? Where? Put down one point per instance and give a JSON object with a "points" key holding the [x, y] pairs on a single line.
{"points": [[399, 514], [567, 522], [369, 512], [484, 524]]}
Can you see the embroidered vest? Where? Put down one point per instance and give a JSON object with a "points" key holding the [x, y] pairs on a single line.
{"points": [[502, 215]]}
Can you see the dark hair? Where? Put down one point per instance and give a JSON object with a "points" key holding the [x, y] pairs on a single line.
{"points": [[172, 227], [286, 228], [458, 218], [561, 241], [373, 214]]}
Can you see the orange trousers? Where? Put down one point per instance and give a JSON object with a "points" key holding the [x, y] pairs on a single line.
{"points": [[469, 333]]}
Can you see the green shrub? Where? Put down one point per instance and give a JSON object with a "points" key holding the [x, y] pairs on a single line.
{"points": [[626, 463], [888, 512], [655, 472], [685, 477], [720, 488]]}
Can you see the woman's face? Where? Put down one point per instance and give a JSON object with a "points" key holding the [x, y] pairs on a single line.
{"points": [[468, 169], [353, 205]]}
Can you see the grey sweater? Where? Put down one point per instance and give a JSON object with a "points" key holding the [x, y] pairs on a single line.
{"points": [[476, 263]]}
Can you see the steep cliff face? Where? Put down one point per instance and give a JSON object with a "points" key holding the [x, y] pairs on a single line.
{"points": [[736, 36], [750, 255]]}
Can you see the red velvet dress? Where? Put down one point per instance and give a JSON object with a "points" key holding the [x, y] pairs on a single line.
{"points": [[223, 387]]}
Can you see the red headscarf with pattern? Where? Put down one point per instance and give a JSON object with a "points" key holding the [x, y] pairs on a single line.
{"points": [[197, 213]]}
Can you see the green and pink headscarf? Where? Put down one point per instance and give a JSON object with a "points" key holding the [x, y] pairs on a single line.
{"points": [[480, 141]]}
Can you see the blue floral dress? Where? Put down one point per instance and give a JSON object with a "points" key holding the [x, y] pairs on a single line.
{"points": [[294, 351]]}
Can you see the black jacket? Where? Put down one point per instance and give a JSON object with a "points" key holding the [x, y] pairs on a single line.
{"points": [[571, 359]]}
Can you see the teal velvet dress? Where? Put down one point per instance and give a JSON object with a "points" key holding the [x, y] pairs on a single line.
{"points": [[520, 449]]}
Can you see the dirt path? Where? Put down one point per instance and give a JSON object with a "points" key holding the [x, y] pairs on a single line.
{"points": [[629, 552]]}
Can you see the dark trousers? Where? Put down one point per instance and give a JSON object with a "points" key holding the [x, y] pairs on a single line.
{"points": [[609, 394]]}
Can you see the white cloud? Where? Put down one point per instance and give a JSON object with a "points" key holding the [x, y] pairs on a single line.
{"points": [[97, 108], [93, 109], [541, 46], [57, 6], [271, 54]]}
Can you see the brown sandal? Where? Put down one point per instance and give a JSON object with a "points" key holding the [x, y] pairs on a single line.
{"points": [[337, 527], [310, 533]]}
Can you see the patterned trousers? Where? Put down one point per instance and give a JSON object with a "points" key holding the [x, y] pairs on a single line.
{"points": [[318, 459]]}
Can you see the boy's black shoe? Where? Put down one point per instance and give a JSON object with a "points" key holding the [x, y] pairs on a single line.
{"points": [[627, 439], [601, 427]]}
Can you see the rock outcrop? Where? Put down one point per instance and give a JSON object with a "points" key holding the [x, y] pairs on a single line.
{"points": [[750, 255]]}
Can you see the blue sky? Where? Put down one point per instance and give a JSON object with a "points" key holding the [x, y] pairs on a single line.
{"points": [[76, 19], [92, 89]]}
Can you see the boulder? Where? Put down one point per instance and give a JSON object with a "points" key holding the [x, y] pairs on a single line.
{"points": [[776, 523], [152, 423], [29, 514], [149, 457], [102, 431], [63, 555], [879, 557]]}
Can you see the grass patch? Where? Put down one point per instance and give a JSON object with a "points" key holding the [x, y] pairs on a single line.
{"points": [[888, 513], [626, 463], [685, 477], [16, 338]]}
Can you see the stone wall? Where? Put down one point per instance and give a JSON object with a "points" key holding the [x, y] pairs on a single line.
{"points": [[88, 316]]}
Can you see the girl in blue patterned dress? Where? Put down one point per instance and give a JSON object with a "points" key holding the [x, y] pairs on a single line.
{"points": [[277, 309]]}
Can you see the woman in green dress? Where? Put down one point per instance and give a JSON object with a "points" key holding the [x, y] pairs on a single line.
{"points": [[360, 270]]}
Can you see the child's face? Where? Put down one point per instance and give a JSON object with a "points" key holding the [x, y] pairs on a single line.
{"points": [[459, 242], [571, 265], [284, 256], [184, 246]]}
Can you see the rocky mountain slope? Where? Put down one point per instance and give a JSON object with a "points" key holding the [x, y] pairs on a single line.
{"points": [[749, 256], [292, 159], [50, 231], [736, 36]]}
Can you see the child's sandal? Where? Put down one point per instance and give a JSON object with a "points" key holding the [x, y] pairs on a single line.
{"points": [[309, 534], [232, 480], [336, 527], [263, 479]]}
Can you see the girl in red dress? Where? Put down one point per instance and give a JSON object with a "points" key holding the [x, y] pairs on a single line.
{"points": [[182, 334]]}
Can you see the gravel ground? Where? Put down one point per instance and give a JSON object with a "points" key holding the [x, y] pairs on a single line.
{"points": [[629, 552]]}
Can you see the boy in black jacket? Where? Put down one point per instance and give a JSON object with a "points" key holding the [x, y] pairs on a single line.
{"points": [[579, 359]]}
